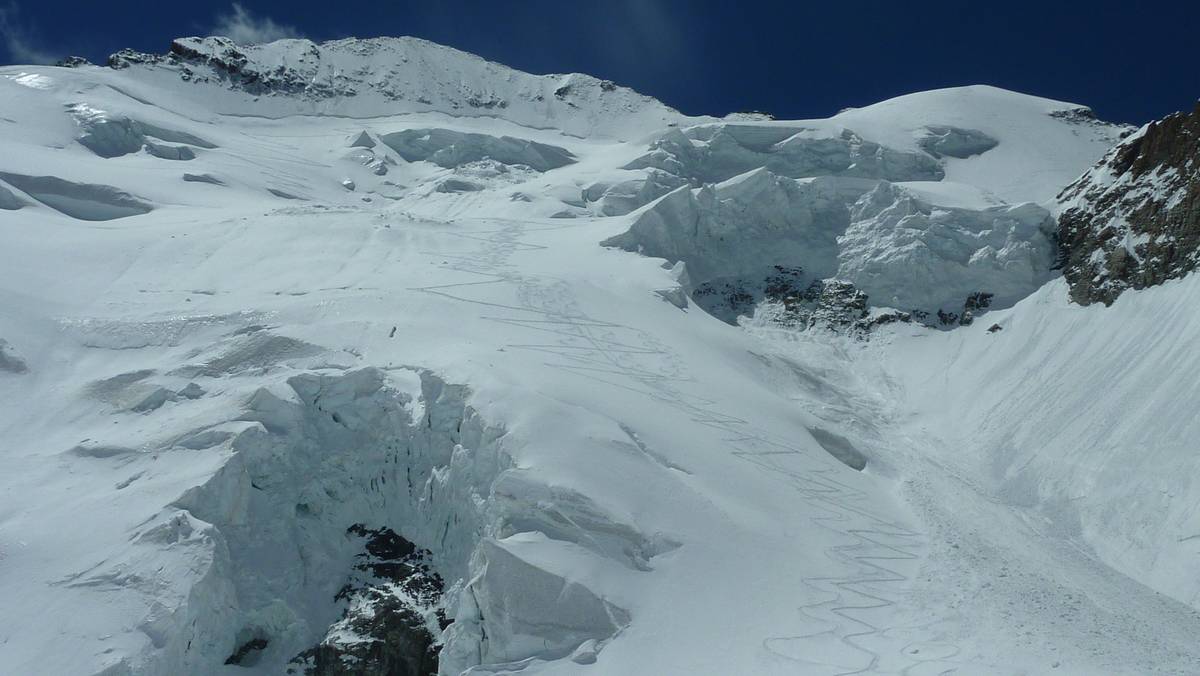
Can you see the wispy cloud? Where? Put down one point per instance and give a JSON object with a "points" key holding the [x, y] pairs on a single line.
{"points": [[245, 28], [19, 40], [647, 36]]}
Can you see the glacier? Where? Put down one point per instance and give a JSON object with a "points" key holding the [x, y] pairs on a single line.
{"points": [[262, 304]]}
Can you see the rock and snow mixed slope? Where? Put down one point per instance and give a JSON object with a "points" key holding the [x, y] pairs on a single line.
{"points": [[1133, 220], [385, 76], [311, 361]]}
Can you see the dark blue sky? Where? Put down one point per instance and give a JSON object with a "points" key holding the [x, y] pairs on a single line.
{"points": [[1129, 61]]}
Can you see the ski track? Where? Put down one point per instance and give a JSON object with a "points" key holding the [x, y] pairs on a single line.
{"points": [[603, 350]]}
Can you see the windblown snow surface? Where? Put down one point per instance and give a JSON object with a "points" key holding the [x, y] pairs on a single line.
{"points": [[236, 322]]}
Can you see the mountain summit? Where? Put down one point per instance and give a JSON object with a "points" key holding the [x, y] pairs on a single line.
{"points": [[384, 76]]}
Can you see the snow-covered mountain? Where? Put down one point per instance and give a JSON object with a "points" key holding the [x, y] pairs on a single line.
{"points": [[373, 357], [386, 76]]}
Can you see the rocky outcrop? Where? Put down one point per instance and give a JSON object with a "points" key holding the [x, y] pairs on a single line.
{"points": [[73, 62], [1133, 220], [825, 304], [977, 303], [392, 614], [220, 59]]}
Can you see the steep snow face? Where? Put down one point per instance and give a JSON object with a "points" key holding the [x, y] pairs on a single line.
{"points": [[254, 299], [1081, 418], [386, 76]]}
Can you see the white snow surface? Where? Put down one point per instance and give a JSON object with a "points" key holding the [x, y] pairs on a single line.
{"points": [[1037, 154], [232, 325]]}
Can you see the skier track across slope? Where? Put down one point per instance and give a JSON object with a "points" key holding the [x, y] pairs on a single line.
{"points": [[841, 626]]}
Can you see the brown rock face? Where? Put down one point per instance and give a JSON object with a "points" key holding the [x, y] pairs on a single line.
{"points": [[384, 630], [1134, 219]]}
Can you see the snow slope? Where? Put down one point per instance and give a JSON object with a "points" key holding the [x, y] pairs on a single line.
{"points": [[239, 319], [1103, 449], [1041, 146]]}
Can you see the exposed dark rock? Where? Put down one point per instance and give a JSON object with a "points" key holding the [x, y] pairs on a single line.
{"points": [[760, 115], [73, 62], [1084, 116], [1080, 114], [129, 57], [726, 299], [784, 283], [994, 328], [975, 304], [220, 60], [1133, 221], [828, 304], [418, 73], [392, 611], [247, 652], [885, 316]]}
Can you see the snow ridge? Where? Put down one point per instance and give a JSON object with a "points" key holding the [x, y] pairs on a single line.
{"points": [[380, 76]]}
